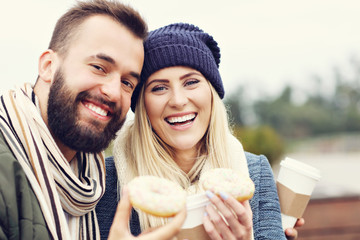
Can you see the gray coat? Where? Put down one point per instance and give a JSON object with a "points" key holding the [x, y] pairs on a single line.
{"points": [[20, 213]]}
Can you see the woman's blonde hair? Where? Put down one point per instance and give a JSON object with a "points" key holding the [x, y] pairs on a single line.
{"points": [[147, 154]]}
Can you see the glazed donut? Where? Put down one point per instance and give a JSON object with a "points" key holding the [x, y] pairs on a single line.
{"points": [[233, 182], [157, 196]]}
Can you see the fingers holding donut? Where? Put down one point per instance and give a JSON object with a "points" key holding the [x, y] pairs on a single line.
{"points": [[230, 218], [241, 211], [229, 191], [215, 225]]}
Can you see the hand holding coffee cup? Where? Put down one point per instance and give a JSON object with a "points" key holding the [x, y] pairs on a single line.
{"points": [[296, 182]]}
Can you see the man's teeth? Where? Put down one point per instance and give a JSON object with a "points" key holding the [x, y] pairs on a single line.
{"points": [[181, 119], [97, 109]]}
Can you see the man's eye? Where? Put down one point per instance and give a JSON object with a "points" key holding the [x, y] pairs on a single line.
{"points": [[128, 84], [99, 68]]}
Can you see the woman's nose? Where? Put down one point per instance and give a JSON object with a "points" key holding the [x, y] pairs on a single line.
{"points": [[178, 99]]}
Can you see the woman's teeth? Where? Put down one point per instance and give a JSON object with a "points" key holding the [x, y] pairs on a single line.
{"points": [[182, 119]]}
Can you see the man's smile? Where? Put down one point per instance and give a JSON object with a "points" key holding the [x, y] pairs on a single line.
{"points": [[96, 109]]}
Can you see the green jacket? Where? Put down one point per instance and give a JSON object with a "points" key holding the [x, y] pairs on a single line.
{"points": [[20, 213]]}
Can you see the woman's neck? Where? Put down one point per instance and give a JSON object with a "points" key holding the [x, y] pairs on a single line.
{"points": [[185, 159]]}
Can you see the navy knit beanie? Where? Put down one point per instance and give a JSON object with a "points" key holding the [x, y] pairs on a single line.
{"points": [[181, 44]]}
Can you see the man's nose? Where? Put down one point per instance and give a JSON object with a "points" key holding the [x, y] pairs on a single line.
{"points": [[111, 89]]}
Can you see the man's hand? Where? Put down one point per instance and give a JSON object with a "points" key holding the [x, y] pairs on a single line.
{"points": [[120, 227], [291, 233]]}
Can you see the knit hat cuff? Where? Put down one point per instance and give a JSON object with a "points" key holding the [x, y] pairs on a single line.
{"points": [[183, 55]]}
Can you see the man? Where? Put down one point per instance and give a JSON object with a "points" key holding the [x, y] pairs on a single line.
{"points": [[52, 170]]}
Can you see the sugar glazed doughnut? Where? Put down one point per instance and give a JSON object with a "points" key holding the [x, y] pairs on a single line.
{"points": [[233, 182], [157, 196]]}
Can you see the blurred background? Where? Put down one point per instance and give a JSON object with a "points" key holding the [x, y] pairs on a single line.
{"points": [[291, 71]]}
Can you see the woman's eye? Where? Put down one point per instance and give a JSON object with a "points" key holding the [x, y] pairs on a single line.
{"points": [[158, 88], [191, 82]]}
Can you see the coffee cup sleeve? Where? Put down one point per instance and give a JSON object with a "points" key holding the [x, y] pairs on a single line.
{"points": [[292, 203]]}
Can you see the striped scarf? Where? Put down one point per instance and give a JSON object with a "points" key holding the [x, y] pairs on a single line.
{"points": [[67, 192]]}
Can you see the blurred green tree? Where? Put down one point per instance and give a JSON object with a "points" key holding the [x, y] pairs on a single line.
{"points": [[261, 140], [323, 111]]}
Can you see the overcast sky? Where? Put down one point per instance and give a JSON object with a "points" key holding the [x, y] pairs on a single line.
{"points": [[264, 43]]}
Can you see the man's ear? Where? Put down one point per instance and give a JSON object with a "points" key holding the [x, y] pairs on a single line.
{"points": [[46, 68]]}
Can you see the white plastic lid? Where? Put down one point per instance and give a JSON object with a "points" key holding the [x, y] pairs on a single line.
{"points": [[301, 167]]}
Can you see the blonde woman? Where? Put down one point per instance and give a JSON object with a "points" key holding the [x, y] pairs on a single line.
{"points": [[180, 130]]}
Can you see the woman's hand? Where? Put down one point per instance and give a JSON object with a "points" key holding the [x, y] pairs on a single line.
{"points": [[120, 227], [291, 233], [238, 216]]}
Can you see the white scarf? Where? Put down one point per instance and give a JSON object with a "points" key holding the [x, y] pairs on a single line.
{"points": [[237, 155], [60, 186]]}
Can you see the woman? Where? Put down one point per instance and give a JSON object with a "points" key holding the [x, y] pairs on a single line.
{"points": [[180, 130]]}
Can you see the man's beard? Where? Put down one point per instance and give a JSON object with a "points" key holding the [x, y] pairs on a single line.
{"points": [[63, 119]]}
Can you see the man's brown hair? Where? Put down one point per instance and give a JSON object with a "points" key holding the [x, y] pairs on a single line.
{"points": [[67, 25]]}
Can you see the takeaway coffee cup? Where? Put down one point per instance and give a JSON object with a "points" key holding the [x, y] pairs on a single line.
{"points": [[295, 183], [193, 226]]}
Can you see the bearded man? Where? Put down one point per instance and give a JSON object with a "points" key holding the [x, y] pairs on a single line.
{"points": [[52, 171]]}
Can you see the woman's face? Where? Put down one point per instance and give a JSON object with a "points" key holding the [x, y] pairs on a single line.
{"points": [[178, 104]]}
